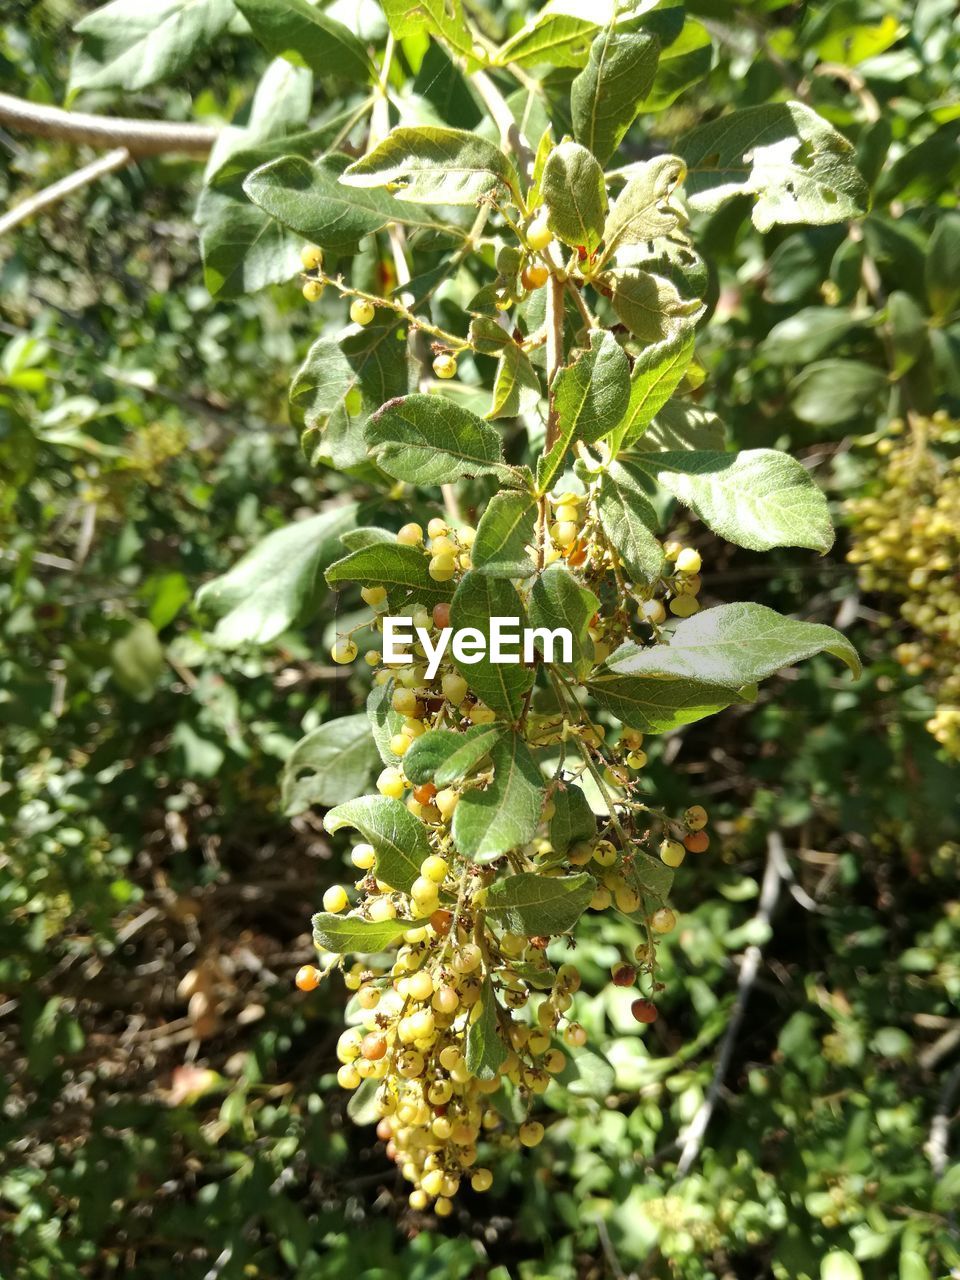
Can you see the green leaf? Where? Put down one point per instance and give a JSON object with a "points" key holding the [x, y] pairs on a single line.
{"points": [[486, 1051], [559, 600], [907, 324], [434, 165], [431, 440], [442, 18], [644, 210], [796, 165], [504, 532], [657, 705], [504, 815], [685, 62], [587, 1074], [591, 394], [627, 518], [808, 334], [244, 249], [657, 372], [311, 200], [733, 645], [840, 1265], [516, 387], [277, 583], [561, 34], [942, 266], [384, 721], [401, 569], [832, 392], [606, 96], [332, 763], [650, 305], [532, 904], [444, 755], [573, 819], [479, 598], [682, 426], [362, 1105], [398, 837], [343, 380], [297, 31], [759, 498], [575, 196], [131, 44], [137, 660], [346, 934], [650, 877]]}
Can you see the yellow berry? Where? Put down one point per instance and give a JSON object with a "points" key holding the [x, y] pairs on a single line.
{"points": [[335, 899], [454, 688], [311, 256], [672, 852], [688, 561], [344, 651], [442, 567], [390, 783], [405, 702], [312, 290], [482, 1180], [435, 868], [382, 909], [348, 1077], [695, 818], [362, 311], [443, 1207], [446, 801], [445, 366], [363, 856], [564, 533], [531, 1133], [652, 611], [373, 596], [411, 535], [437, 527], [663, 921], [539, 235]]}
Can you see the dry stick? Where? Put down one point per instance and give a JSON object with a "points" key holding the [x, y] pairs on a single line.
{"points": [[57, 191], [769, 896], [937, 1143], [139, 137]]}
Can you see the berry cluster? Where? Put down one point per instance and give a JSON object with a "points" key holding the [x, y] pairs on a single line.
{"points": [[413, 1021], [907, 544]]}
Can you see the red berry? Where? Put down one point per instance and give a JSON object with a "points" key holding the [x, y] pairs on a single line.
{"points": [[624, 975], [441, 616], [441, 921], [697, 842], [644, 1011]]}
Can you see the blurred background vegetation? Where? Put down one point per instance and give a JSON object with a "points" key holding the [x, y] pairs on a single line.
{"points": [[167, 1100]]}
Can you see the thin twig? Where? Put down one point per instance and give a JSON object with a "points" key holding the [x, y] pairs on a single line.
{"points": [[58, 191], [938, 1142], [769, 897], [139, 137]]}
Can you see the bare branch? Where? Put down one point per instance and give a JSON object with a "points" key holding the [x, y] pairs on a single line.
{"points": [[58, 191], [769, 897], [139, 137]]}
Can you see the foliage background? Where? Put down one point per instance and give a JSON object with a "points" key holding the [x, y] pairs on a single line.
{"points": [[144, 444]]}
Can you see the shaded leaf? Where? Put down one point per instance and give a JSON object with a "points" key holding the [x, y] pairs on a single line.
{"points": [[575, 196], [650, 305], [486, 1051], [531, 904], [505, 814], [332, 763], [303, 34], [573, 820], [628, 518], [401, 569], [444, 755], [399, 838], [559, 600]]}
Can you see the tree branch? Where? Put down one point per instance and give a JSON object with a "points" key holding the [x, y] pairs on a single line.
{"points": [[58, 191], [769, 896], [139, 137]]}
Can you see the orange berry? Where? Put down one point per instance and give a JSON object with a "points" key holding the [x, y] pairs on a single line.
{"points": [[373, 1046], [644, 1011], [697, 842], [308, 977], [441, 616], [424, 793]]}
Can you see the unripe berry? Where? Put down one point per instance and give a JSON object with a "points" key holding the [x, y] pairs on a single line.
{"points": [[531, 1133], [688, 561], [482, 1180], [652, 611], [424, 892], [311, 256], [363, 856], [695, 818], [454, 687], [344, 651], [479, 714], [335, 899], [446, 1000], [445, 366], [604, 853], [418, 1199], [663, 921], [575, 1035], [390, 783], [627, 899], [446, 801], [308, 977], [312, 290], [348, 1077], [644, 1011], [564, 532], [373, 596], [442, 567], [362, 311], [420, 987], [411, 535], [399, 744], [672, 852], [443, 1207], [435, 868], [405, 702], [539, 235], [382, 909], [467, 958]]}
